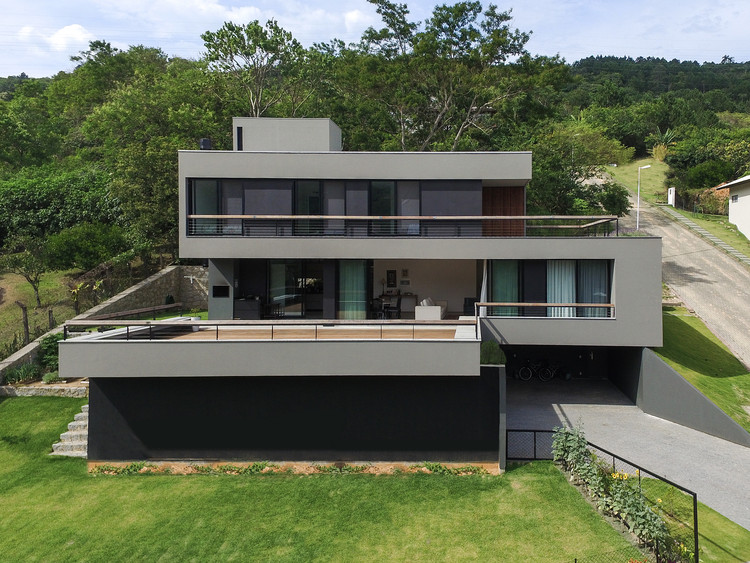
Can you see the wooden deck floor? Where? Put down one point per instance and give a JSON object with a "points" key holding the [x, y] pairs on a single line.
{"points": [[320, 332]]}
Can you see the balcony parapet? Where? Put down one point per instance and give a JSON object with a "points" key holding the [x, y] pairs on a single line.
{"points": [[400, 226], [276, 330]]}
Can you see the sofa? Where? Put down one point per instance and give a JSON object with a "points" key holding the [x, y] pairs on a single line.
{"points": [[430, 310]]}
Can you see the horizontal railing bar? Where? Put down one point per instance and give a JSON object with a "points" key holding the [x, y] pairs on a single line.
{"points": [[517, 304], [642, 469], [598, 218], [269, 322]]}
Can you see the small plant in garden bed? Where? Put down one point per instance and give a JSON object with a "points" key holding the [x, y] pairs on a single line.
{"points": [[51, 377], [341, 468], [136, 467], [614, 493], [440, 469], [22, 373]]}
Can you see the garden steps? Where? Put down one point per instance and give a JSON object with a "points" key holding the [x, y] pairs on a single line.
{"points": [[74, 442]]}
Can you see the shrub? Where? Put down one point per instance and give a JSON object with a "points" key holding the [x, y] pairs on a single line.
{"points": [[24, 372], [49, 351], [51, 377]]}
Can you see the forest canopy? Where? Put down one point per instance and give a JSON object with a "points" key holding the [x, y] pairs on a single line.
{"points": [[98, 145]]}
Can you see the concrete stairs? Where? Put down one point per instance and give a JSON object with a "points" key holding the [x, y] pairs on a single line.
{"points": [[74, 442]]}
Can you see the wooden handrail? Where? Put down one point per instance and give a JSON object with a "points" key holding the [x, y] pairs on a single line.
{"points": [[596, 218], [516, 304]]}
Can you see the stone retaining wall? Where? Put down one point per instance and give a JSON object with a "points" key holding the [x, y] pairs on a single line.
{"points": [[186, 284], [46, 391]]}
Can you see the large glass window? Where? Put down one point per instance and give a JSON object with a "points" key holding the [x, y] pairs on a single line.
{"points": [[557, 281], [408, 205], [334, 203], [285, 295], [383, 203], [204, 201], [308, 201], [231, 204]]}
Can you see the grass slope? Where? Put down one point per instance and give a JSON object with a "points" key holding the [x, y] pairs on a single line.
{"points": [[702, 359], [52, 510], [718, 539]]}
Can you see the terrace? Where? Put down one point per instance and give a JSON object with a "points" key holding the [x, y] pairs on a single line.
{"points": [[190, 348]]}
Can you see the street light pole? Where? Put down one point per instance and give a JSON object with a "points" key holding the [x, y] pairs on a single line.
{"points": [[638, 200]]}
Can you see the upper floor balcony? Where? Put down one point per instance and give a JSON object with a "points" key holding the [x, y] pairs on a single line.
{"points": [[365, 226]]}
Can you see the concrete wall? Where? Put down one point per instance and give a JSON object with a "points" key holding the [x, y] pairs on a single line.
{"points": [[115, 359], [221, 274], [665, 393], [287, 134], [659, 390]]}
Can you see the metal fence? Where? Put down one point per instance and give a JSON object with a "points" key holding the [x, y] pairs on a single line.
{"points": [[677, 505]]}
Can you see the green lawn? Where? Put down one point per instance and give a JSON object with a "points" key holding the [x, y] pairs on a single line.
{"points": [[52, 510], [718, 539], [652, 179], [702, 359]]}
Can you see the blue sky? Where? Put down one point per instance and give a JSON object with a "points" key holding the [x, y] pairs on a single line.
{"points": [[38, 37]]}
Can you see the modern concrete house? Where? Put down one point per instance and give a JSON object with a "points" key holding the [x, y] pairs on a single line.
{"points": [[739, 203], [349, 295]]}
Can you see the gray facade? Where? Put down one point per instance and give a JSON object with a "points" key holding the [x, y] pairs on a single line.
{"points": [[294, 228]]}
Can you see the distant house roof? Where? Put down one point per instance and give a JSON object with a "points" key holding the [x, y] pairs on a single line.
{"points": [[743, 180]]}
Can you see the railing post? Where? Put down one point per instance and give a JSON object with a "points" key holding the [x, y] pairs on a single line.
{"points": [[696, 557]]}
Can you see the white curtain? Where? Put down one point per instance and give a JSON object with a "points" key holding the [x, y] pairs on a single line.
{"points": [[593, 287], [561, 287]]}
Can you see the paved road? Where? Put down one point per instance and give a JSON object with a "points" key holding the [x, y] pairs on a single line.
{"points": [[714, 285], [712, 467]]}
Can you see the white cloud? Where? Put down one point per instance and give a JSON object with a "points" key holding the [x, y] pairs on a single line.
{"points": [[70, 37], [356, 21]]}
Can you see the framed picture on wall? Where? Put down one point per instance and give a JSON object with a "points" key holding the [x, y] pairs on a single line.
{"points": [[390, 278]]}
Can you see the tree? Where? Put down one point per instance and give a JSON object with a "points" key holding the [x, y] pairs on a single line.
{"points": [[85, 246], [26, 256], [431, 87], [263, 62], [568, 160], [136, 134]]}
